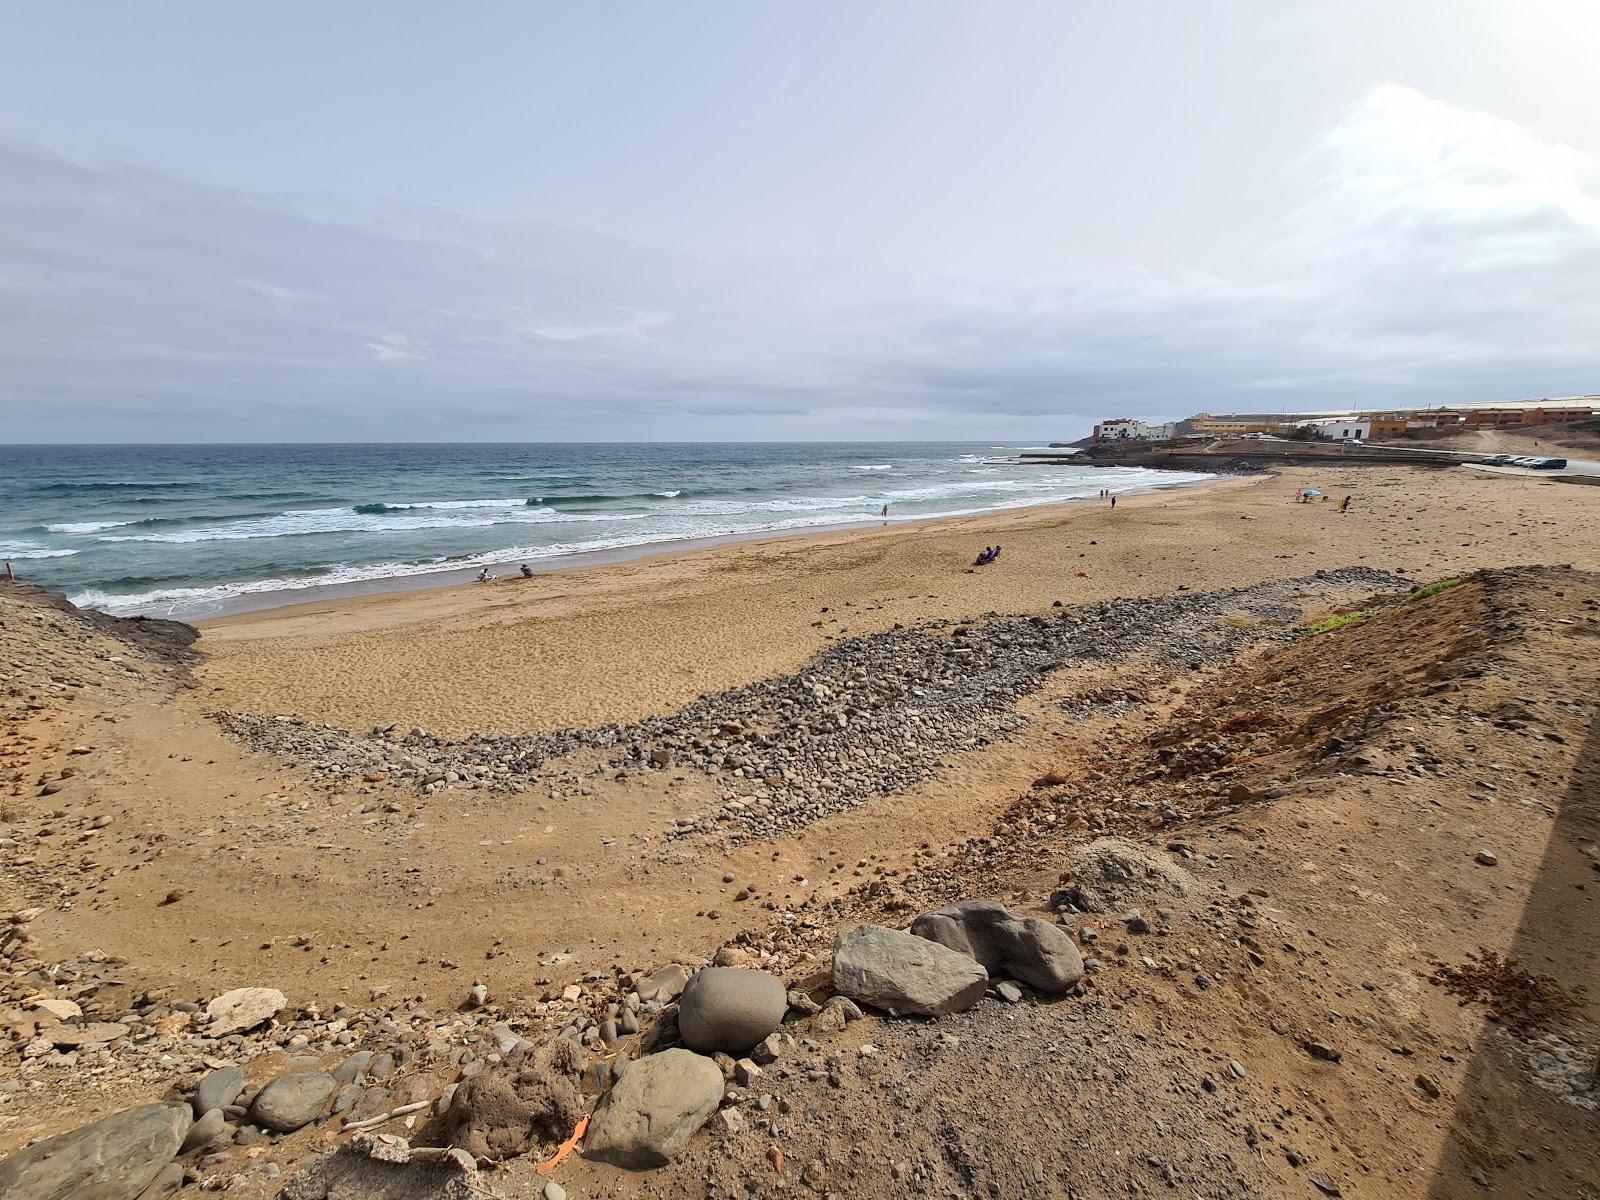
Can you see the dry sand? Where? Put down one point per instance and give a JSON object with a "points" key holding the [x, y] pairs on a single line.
{"points": [[1365, 874], [618, 642]]}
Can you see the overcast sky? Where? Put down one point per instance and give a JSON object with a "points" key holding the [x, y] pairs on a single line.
{"points": [[902, 218]]}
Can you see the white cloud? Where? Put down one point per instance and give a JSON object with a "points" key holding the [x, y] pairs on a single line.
{"points": [[1440, 255]]}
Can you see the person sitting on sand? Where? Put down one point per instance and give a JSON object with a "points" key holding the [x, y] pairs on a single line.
{"points": [[995, 555], [484, 576], [1344, 505], [527, 571], [983, 559]]}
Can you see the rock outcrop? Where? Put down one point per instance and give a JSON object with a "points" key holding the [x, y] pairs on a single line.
{"points": [[511, 1108], [113, 1159], [1111, 874]]}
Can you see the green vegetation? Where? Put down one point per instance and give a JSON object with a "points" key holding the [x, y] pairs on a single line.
{"points": [[1434, 588], [1339, 621], [1345, 620]]}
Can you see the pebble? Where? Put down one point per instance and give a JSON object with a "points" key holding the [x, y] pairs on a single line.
{"points": [[871, 715]]}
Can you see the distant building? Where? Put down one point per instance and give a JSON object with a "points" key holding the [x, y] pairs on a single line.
{"points": [[1433, 418], [1236, 424], [1119, 429], [1557, 415], [1345, 425], [1343, 429]]}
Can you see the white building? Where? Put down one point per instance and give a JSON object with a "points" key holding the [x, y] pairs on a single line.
{"points": [[1344, 429], [1119, 429]]}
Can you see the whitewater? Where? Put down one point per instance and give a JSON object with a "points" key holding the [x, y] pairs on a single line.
{"points": [[191, 531]]}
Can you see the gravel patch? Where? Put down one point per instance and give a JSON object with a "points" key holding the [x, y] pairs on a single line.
{"points": [[870, 716]]}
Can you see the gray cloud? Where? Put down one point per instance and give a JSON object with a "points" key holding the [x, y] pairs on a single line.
{"points": [[1441, 255]]}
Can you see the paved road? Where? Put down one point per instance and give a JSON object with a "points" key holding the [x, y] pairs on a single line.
{"points": [[1575, 466]]}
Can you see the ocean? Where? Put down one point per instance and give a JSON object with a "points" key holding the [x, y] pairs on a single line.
{"points": [[194, 531]]}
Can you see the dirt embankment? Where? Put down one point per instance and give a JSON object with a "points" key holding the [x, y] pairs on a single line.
{"points": [[1371, 983]]}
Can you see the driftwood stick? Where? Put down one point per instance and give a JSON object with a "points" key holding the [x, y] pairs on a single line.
{"points": [[403, 1110]]}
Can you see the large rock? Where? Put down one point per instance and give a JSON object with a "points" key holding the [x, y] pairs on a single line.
{"points": [[93, 1034], [729, 1009], [1111, 874], [113, 1159], [1026, 949], [655, 1108], [516, 1106], [664, 984], [243, 1008], [905, 975], [218, 1089], [59, 1008], [291, 1101], [166, 1184], [204, 1131]]}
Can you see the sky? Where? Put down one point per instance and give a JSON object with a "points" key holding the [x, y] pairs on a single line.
{"points": [[382, 220]]}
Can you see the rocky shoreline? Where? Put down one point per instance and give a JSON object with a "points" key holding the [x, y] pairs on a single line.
{"points": [[871, 716]]}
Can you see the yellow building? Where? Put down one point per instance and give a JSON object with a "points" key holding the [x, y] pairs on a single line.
{"points": [[1233, 426], [1388, 425]]}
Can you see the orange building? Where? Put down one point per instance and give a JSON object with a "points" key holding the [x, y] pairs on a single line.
{"points": [[1388, 425], [1527, 416]]}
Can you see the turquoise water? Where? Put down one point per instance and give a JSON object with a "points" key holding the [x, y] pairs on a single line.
{"points": [[191, 530]]}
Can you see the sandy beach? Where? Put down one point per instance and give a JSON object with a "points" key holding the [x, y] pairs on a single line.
{"points": [[618, 642], [1334, 798]]}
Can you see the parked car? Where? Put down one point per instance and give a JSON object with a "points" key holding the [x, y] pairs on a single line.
{"points": [[1531, 463]]}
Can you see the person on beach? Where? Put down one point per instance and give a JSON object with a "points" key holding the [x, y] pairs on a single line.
{"points": [[484, 576], [995, 555], [1113, 500], [983, 559], [1344, 505], [527, 571], [885, 513]]}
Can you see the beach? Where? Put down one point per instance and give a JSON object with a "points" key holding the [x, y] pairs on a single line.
{"points": [[556, 788], [622, 641]]}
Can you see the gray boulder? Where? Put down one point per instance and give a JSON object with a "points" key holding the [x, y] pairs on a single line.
{"points": [[291, 1101], [218, 1090], [113, 1159], [664, 984], [649, 1116], [166, 1184], [1026, 949], [204, 1131], [729, 1009], [905, 975]]}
